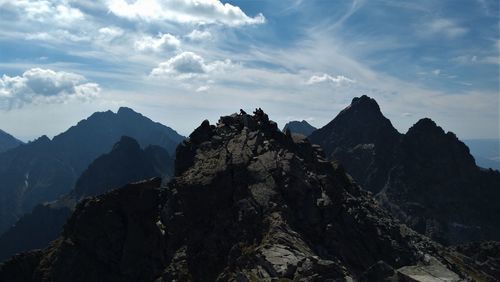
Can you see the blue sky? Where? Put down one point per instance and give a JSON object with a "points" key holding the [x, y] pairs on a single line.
{"points": [[182, 61]]}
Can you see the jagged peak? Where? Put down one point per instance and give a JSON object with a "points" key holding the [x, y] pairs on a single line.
{"points": [[364, 101], [42, 139], [426, 126], [365, 106], [126, 110], [127, 143]]}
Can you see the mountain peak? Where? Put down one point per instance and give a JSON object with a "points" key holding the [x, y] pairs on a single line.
{"points": [[126, 143], [426, 126], [364, 101], [299, 127], [126, 110]]}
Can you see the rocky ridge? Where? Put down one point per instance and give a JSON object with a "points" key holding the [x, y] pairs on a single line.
{"points": [[247, 203]]}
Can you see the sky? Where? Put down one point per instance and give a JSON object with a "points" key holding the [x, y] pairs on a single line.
{"points": [[182, 61]]}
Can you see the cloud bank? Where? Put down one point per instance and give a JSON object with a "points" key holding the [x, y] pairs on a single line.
{"points": [[183, 11], [38, 85]]}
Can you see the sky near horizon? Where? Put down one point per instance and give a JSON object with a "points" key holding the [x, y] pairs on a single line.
{"points": [[182, 61]]}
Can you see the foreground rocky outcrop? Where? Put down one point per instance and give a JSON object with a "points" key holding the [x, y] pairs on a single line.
{"points": [[427, 178], [248, 203], [125, 163]]}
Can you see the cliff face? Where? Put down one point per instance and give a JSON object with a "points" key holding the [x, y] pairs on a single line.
{"points": [[247, 203], [426, 177]]}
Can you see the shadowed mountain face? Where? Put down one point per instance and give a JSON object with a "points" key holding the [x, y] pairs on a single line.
{"points": [[426, 177], [45, 169], [7, 141], [363, 140], [126, 163], [248, 203], [299, 127]]}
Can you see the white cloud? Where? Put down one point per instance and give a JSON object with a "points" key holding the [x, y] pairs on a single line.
{"points": [[436, 72], [202, 88], [162, 42], [58, 35], [187, 65], [469, 60], [44, 86], [197, 35], [443, 27], [110, 32], [338, 80], [57, 12], [183, 11]]}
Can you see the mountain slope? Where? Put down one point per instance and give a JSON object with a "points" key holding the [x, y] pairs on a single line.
{"points": [[299, 127], [126, 163], [7, 141], [247, 204], [426, 177], [45, 169]]}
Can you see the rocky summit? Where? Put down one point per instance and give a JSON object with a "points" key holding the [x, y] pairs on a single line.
{"points": [[247, 203]]}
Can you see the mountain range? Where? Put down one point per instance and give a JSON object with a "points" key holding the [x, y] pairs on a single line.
{"points": [[125, 163], [426, 177], [45, 169], [247, 203]]}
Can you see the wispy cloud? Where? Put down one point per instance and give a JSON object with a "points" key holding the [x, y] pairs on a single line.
{"points": [[338, 80], [443, 27]]}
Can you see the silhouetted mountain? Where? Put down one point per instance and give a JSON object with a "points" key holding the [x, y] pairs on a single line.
{"points": [[247, 204], [45, 169], [126, 163], [426, 177], [8, 141], [299, 127], [363, 140]]}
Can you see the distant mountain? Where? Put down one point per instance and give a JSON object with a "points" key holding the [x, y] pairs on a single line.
{"points": [[363, 140], [426, 177], [45, 169], [126, 163], [299, 127], [8, 141], [485, 151], [247, 203]]}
